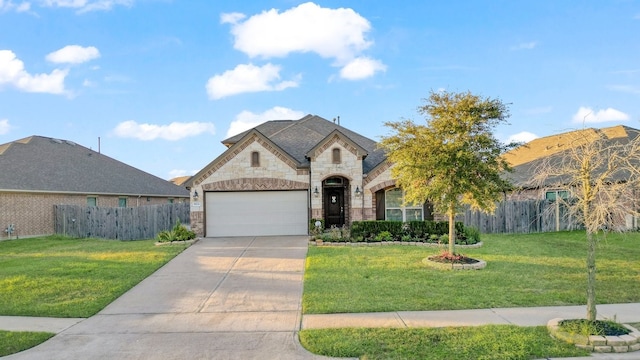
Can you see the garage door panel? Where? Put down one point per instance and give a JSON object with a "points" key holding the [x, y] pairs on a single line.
{"points": [[256, 213]]}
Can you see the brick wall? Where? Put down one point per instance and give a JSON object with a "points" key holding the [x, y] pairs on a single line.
{"points": [[32, 213]]}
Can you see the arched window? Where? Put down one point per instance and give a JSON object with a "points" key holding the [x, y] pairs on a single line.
{"points": [[336, 156], [255, 159]]}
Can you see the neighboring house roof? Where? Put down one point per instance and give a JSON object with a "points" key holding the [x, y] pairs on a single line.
{"points": [[42, 164], [298, 137], [527, 159], [180, 180]]}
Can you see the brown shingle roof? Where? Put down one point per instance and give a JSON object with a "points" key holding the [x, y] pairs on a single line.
{"points": [[527, 158], [43, 164], [298, 137]]}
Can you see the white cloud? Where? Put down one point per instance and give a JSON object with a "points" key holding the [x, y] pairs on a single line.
{"points": [[172, 132], [6, 6], [361, 68], [331, 33], [522, 137], [588, 115], [12, 72], [231, 18], [247, 78], [338, 34], [525, 46], [84, 6], [4, 126], [247, 120], [73, 54]]}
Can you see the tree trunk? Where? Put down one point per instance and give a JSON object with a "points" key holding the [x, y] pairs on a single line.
{"points": [[452, 230], [591, 276]]}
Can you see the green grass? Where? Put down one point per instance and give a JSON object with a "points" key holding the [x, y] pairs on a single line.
{"points": [[62, 277], [522, 270], [483, 342], [13, 342]]}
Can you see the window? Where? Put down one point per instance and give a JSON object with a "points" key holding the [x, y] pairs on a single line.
{"points": [[122, 202], [336, 156], [394, 209], [170, 201], [255, 159], [92, 201], [553, 195]]}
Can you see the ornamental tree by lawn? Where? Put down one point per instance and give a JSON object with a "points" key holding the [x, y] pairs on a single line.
{"points": [[601, 172], [452, 160]]}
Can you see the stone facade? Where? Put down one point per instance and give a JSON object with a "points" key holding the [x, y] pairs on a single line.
{"points": [[233, 171]]}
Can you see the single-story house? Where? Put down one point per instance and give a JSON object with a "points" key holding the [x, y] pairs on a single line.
{"points": [[39, 172], [527, 161], [277, 177]]}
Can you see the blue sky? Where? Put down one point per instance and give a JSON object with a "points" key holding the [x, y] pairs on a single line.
{"points": [[162, 82]]}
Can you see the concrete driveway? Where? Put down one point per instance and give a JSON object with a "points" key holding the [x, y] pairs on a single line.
{"points": [[222, 298]]}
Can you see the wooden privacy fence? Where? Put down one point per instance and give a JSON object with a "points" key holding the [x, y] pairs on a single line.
{"points": [[520, 217], [119, 223]]}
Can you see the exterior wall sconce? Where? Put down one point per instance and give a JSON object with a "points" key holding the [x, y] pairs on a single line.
{"points": [[358, 192], [316, 193], [195, 195]]}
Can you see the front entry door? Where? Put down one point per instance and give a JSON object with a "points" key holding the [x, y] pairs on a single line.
{"points": [[334, 207]]}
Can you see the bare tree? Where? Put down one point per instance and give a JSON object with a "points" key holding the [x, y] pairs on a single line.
{"points": [[601, 173]]}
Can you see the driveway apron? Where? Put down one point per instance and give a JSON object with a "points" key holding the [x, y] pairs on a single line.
{"points": [[222, 298]]}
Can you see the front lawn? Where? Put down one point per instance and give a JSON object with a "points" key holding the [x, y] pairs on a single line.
{"points": [[13, 342], [62, 277], [482, 342], [522, 270]]}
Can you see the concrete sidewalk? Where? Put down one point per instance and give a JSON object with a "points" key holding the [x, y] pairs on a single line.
{"points": [[532, 316]]}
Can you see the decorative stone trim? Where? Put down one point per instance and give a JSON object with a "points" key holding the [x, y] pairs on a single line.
{"points": [[376, 172], [255, 184], [598, 344], [383, 185], [336, 137], [177, 242], [481, 264], [387, 243], [237, 148]]}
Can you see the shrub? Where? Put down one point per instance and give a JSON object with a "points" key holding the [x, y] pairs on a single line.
{"points": [[384, 236], [370, 228], [335, 234], [429, 231], [472, 235], [178, 233]]}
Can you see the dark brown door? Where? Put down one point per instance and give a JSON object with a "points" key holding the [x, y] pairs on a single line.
{"points": [[334, 207]]}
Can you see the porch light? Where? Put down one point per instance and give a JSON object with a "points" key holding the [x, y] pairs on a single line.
{"points": [[358, 192], [316, 193], [195, 195]]}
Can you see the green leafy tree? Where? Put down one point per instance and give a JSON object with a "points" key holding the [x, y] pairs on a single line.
{"points": [[453, 160], [602, 174]]}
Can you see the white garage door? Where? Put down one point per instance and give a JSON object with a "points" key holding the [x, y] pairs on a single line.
{"points": [[256, 213]]}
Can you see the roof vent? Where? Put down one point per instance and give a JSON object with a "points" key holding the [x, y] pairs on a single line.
{"points": [[57, 141], [70, 142]]}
